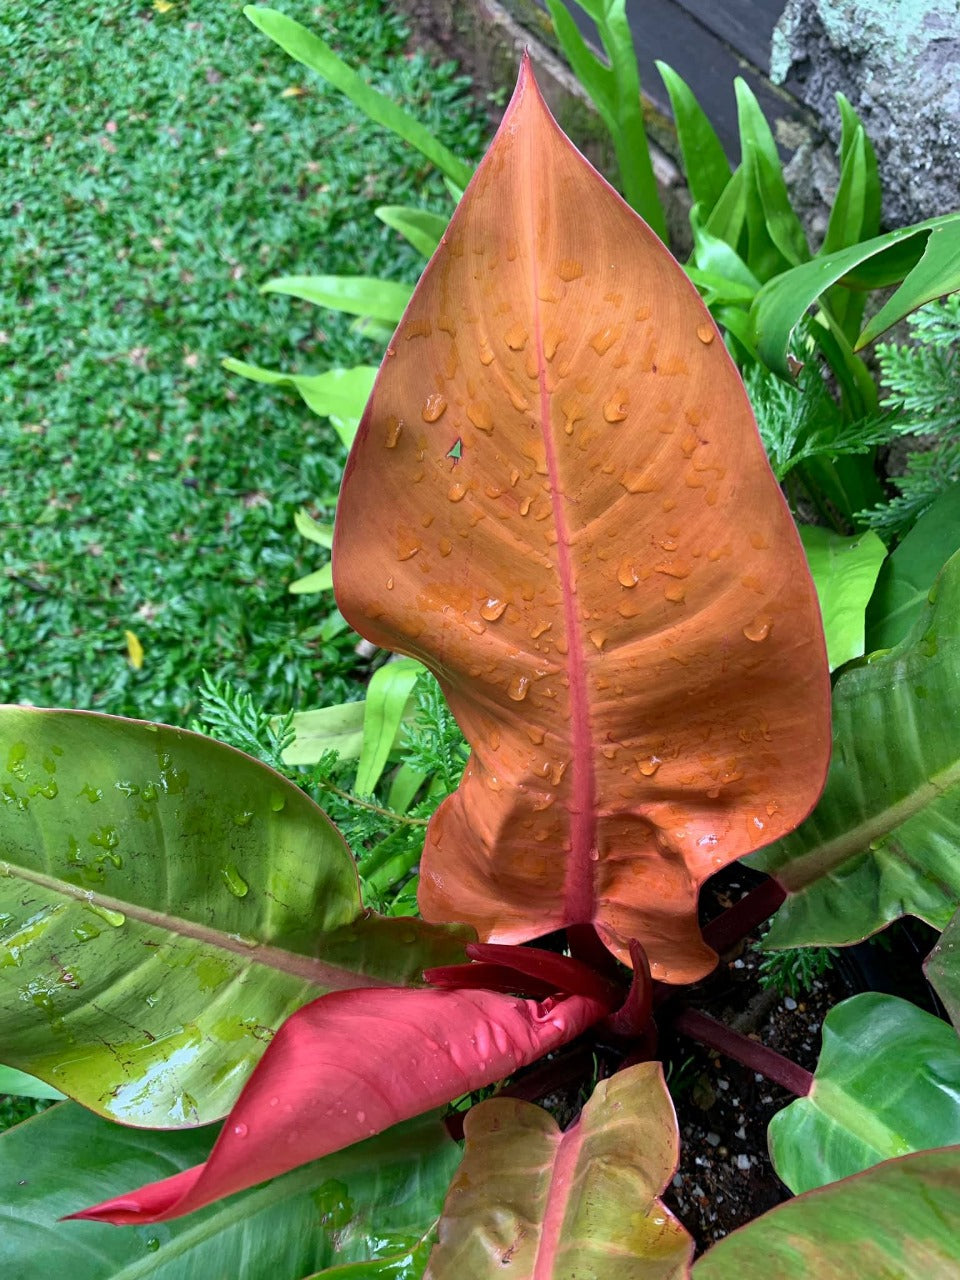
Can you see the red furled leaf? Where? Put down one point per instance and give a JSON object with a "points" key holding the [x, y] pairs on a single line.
{"points": [[534, 972], [559, 502], [350, 1065]]}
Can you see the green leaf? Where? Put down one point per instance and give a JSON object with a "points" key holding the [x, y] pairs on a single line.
{"points": [[711, 254], [705, 164], [343, 392], [872, 196], [728, 219], [595, 77], [389, 703], [846, 224], [883, 840], [346, 428], [942, 967], [165, 903], [615, 90], [314, 53], [908, 574], [420, 227], [883, 260], [844, 571], [936, 274], [338, 728], [374, 1199], [320, 580], [899, 1221], [18, 1084], [777, 238], [307, 527], [404, 785], [887, 1084], [356, 295]]}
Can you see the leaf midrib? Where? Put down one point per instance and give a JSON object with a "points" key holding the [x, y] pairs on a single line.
{"points": [[579, 904], [831, 854], [308, 968]]}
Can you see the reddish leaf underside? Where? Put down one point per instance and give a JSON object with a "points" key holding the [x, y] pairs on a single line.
{"points": [[350, 1065], [559, 502]]}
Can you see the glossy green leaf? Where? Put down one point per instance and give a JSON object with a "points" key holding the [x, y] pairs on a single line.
{"points": [[356, 295], [20, 1085], [320, 580], [728, 220], [389, 692], [540, 1204], [705, 164], [375, 1198], [420, 227], [898, 1221], [314, 53], [593, 74], [936, 274], [711, 254], [343, 392], [883, 260], [908, 574], [883, 840], [615, 90], [844, 571], [942, 967], [872, 195], [776, 234], [887, 1084], [855, 215], [307, 527], [165, 903], [846, 224]]}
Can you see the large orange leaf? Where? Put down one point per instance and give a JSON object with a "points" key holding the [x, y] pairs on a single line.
{"points": [[559, 502]]}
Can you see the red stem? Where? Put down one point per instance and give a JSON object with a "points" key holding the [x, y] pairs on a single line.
{"points": [[701, 1027], [633, 1016], [727, 929]]}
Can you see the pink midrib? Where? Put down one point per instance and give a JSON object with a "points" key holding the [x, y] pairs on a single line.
{"points": [[579, 895], [558, 1198]]}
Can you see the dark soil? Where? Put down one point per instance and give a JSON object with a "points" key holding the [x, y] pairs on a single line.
{"points": [[725, 1177]]}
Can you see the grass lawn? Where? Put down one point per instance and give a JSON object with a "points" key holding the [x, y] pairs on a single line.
{"points": [[157, 164]]}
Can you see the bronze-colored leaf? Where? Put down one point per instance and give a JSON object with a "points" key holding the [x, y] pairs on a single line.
{"points": [[559, 502]]}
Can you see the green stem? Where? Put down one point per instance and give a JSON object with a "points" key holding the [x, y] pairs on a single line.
{"points": [[400, 818]]}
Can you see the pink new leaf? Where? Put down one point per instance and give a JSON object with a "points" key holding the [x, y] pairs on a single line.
{"points": [[350, 1065]]}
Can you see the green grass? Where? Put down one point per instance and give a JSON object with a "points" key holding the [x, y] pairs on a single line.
{"points": [[155, 168]]}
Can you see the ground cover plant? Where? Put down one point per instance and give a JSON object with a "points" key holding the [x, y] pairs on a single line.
{"points": [[644, 689], [138, 491]]}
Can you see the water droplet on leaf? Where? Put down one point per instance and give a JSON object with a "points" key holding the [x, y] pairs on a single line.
{"points": [[234, 881], [434, 408], [492, 609], [758, 629], [517, 688]]}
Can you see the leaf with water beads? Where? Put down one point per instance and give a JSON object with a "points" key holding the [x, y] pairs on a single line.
{"points": [[606, 580]]}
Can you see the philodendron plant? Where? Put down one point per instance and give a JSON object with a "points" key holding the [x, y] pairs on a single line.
{"points": [[557, 501]]}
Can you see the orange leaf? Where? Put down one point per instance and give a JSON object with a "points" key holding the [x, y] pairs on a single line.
{"points": [[559, 502]]}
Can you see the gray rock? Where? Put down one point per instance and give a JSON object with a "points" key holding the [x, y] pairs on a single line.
{"points": [[898, 61]]}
